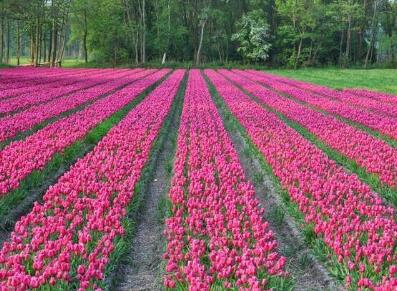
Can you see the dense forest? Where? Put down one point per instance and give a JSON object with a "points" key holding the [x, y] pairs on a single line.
{"points": [[282, 33]]}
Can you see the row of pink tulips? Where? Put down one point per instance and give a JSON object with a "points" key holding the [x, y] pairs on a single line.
{"points": [[215, 212], [17, 87], [376, 156], [22, 78], [44, 92], [26, 73], [380, 96], [11, 125], [68, 239], [20, 158], [351, 219], [32, 73], [345, 97], [383, 124], [29, 72]]}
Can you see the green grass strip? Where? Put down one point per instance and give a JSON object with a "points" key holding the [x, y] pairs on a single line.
{"points": [[375, 79], [39, 181]]}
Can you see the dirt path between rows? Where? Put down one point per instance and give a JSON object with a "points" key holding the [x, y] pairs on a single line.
{"points": [[145, 268]]}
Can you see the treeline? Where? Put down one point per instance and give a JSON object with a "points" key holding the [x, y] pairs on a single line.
{"points": [[290, 33]]}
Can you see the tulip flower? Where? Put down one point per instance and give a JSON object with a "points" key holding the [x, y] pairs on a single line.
{"points": [[21, 158], [216, 232], [81, 215], [321, 98], [376, 156], [353, 221]]}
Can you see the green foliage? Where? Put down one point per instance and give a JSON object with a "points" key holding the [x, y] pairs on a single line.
{"points": [[287, 33], [253, 36]]}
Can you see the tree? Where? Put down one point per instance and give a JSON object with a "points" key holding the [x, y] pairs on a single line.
{"points": [[203, 18], [253, 36], [81, 12], [373, 33], [291, 33]]}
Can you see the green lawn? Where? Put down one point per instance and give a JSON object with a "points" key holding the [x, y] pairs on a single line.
{"points": [[376, 79]]}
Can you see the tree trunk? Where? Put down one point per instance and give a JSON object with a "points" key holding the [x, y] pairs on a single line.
{"points": [[299, 53], [63, 41], [43, 35], [2, 40], [54, 39], [31, 46], [37, 42], [359, 45], [136, 49], [85, 37], [372, 35], [144, 31], [219, 53], [18, 46], [348, 39], [363, 28], [54, 36], [342, 36], [133, 32], [168, 32], [49, 47], [8, 43], [200, 43]]}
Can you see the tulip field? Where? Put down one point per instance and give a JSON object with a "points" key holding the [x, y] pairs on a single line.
{"points": [[142, 179]]}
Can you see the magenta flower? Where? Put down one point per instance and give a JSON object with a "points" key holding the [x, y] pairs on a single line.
{"points": [[216, 232], [351, 219], [82, 213]]}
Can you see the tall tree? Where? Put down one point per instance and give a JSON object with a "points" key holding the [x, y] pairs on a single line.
{"points": [[299, 32], [253, 36]]}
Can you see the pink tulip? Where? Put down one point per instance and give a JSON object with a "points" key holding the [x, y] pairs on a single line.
{"points": [[20, 158], [351, 219], [88, 202], [216, 217], [376, 156], [321, 97]]}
